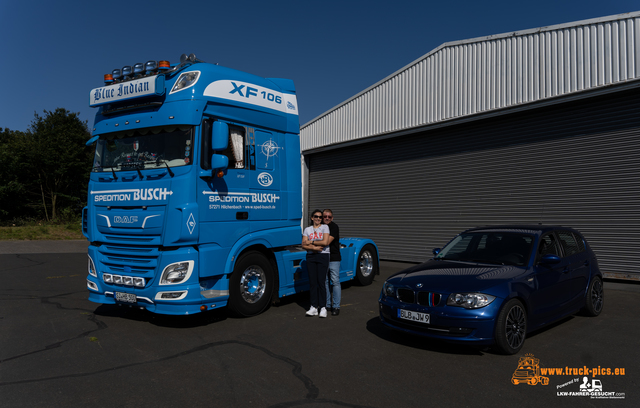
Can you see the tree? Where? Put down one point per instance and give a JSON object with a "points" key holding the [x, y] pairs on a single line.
{"points": [[57, 161], [12, 188]]}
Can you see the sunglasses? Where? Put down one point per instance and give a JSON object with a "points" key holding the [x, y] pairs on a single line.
{"points": [[328, 217], [317, 216]]}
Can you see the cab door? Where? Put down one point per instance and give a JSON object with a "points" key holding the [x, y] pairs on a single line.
{"points": [[226, 200]]}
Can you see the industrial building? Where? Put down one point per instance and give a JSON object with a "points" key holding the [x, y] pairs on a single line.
{"points": [[534, 126]]}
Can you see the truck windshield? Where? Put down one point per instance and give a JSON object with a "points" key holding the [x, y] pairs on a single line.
{"points": [[147, 148]]}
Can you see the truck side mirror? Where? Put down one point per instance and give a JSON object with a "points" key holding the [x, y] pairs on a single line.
{"points": [[219, 162], [219, 136]]}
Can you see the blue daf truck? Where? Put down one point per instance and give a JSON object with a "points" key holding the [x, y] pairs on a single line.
{"points": [[195, 197]]}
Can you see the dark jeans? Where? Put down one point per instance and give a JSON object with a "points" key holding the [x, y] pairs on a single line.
{"points": [[317, 267]]}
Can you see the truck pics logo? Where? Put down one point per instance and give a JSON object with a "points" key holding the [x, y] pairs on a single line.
{"points": [[579, 384], [265, 179], [528, 372], [137, 194]]}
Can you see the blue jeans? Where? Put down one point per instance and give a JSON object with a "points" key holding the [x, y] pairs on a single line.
{"points": [[333, 285]]}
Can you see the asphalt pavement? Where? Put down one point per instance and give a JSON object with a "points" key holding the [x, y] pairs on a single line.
{"points": [[57, 349]]}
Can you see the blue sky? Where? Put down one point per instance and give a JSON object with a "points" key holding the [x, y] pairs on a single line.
{"points": [[54, 52]]}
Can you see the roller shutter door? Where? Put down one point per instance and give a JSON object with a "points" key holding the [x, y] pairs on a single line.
{"points": [[575, 164]]}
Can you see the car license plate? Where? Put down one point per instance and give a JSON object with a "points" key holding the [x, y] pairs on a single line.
{"points": [[414, 316], [126, 297]]}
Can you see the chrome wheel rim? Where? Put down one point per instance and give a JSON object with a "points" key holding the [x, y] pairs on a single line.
{"points": [[252, 284], [366, 263], [597, 296], [516, 327]]}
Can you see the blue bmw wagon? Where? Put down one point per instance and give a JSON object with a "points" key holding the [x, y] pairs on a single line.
{"points": [[493, 285]]}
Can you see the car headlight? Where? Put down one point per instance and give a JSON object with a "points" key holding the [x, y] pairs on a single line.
{"points": [[176, 273], [469, 300], [389, 290], [92, 268]]}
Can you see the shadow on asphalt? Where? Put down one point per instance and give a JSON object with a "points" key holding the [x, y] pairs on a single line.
{"points": [[177, 322], [376, 327]]}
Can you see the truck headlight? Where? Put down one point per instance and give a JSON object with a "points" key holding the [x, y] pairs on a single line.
{"points": [[176, 273], [469, 300], [92, 267]]}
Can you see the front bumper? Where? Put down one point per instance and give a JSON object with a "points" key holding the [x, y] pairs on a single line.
{"points": [[449, 323], [148, 263]]}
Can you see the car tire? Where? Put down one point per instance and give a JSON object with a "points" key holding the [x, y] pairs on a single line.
{"points": [[366, 265], [511, 327], [594, 301], [250, 285]]}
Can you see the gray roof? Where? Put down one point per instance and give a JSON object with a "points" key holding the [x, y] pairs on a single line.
{"points": [[466, 79]]}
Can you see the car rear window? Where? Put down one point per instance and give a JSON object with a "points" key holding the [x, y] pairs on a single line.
{"points": [[570, 243]]}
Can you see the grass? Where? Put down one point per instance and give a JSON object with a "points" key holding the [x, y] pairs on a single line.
{"points": [[42, 231]]}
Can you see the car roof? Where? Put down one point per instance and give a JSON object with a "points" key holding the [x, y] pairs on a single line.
{"points": [[524, 228]]}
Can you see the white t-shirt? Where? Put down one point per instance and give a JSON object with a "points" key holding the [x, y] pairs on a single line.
{"points": [[315, 234]]}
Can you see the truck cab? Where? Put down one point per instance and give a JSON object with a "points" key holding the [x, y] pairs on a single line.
{"points": [[194, 199]]}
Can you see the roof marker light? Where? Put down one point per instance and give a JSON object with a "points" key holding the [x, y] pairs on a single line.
{"points": [[138, 69], [126, 71], [164, 65], [116, 74], [150, 66], [108, 79]]}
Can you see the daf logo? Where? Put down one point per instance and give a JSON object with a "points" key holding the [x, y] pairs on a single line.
{"points": [[265, 179], [419, 285]]}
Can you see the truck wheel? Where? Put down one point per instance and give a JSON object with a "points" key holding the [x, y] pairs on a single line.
{"points": [[367, 266], [250, 285], [511, 327], [595, 297]]}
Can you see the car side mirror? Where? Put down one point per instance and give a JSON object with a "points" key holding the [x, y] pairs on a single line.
{"points": [[436, 251], [550, 259]]}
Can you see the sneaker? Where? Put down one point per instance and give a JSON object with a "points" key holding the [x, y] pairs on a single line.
{"points": [[335, 312], [313, 312], [323, 312]]}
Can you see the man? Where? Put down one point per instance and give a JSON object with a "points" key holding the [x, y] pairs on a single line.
{"points": [[333, 277]]}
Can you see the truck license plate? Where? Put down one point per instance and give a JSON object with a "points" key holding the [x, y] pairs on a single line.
{"points": [[414, 316], [126, 297]]}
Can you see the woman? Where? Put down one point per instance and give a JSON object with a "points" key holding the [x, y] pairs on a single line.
{"points": [[315, 239]]}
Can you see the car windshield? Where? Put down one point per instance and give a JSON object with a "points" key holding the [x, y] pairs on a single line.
{"points": [[493, 247], [147, 148]]}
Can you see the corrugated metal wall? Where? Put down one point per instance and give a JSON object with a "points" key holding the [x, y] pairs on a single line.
{"points": [[574, 164], [469, 77]]}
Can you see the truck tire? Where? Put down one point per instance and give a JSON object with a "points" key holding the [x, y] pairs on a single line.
{"points": [[250, 285], [511, 327], [367, 265]]}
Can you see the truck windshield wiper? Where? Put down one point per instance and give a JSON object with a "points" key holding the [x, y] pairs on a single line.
{"points": [[160, 161]]}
